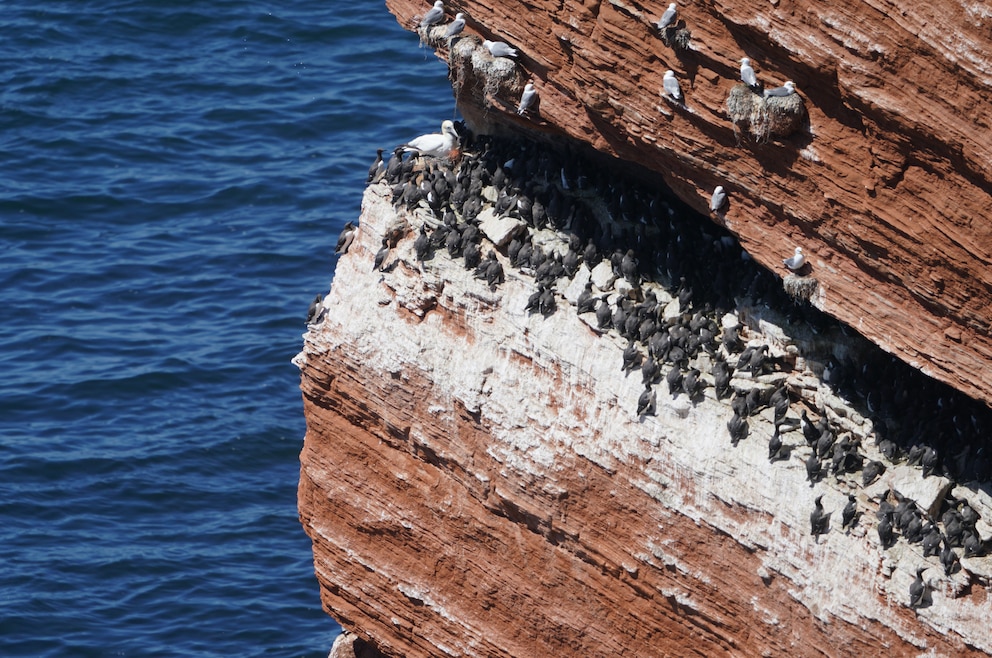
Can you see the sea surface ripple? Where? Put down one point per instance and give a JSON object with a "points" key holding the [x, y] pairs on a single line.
{"points": [[174, 176]]}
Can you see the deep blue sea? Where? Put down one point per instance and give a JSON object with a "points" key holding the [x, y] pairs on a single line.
{"points": [[174, 177]]}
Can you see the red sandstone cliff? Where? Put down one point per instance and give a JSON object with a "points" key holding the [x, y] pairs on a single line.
{"points": [[888, 189], [475, 479], [476, 482]]}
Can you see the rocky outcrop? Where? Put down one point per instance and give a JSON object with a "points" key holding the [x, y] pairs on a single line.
{"points": [[477, 481], [886, 185]]}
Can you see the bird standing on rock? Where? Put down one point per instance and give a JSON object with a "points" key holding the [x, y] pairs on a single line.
{"points": [[456, 26], [434, 16], [527, 99], [718, 199], [819, 521], [918, 590], [747, 73], [671, 86], [345, 239], [380, 255], [668, 18]]}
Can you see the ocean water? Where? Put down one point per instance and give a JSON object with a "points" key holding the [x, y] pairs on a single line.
{"points": [[174, 177]]}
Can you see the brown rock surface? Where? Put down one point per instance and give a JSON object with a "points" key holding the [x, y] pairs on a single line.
{"points": [[476, 483], [888, 189]]}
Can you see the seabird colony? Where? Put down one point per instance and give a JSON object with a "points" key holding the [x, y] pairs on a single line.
{"points": [[706, 271]]}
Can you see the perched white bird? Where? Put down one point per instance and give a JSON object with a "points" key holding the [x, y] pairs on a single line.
{"points": [[785, 90], [527, 98], [499, 48], [435, 144], [668, 18], [747, 73], [672, 85], [718, 199], [434, 16], [456, 26], [797, 261]]}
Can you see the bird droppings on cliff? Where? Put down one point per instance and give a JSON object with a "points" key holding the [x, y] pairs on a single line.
{"points": [[670, 85], [718, 198], [686, 279]]}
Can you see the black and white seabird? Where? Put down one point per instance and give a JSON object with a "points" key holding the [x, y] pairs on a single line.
{"points": [[850, 513], [918, 590], [819, 521], [315, 308], [345, 239], [647, 403], [380, 255]]}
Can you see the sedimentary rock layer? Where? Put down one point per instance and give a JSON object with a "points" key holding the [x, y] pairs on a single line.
{"points": [[476, 482], [887, 188]]}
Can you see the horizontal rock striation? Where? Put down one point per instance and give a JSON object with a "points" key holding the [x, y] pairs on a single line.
{"points": [[886, 184], [478, 480]]}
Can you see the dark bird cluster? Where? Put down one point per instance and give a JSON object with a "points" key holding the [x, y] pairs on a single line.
{"points": [[954, 528], [653, 243]]}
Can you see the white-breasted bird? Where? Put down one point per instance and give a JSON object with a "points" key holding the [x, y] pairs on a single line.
{"points": [[747, 73], [435, 144], [797, 260], [499, 48], [434, 16], [527, 99], [718, 199], [672, 85], [456, 26], [787, 89], [668, 18]]}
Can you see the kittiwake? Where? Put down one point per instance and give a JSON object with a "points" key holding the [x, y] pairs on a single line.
{"points": [[668, 18], [797, 261], [456, 26], [747, 73], [434, 16], [499, 48], [672, 85], [527, 98], [785, 90], [718, 199]]}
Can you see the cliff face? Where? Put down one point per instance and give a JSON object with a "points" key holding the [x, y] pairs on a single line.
{"points": [[887, 187], [477, 482]]}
